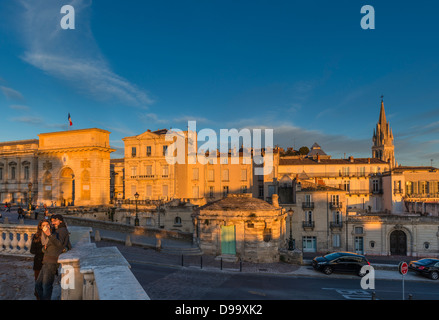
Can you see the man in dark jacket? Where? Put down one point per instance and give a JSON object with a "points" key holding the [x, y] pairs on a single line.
{"points": [[54, 243]]}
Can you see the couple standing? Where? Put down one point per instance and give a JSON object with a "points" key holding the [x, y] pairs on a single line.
{"points": [[48, 243]]}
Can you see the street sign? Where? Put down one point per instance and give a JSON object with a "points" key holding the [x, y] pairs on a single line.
{"points": [[403, 268]]}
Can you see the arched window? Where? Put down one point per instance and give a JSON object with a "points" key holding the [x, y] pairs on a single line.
{"points": [[177, 221]]}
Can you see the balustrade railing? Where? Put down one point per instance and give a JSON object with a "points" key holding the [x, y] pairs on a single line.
{"points": [[16, 239]]}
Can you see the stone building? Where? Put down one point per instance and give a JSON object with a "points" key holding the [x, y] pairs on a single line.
{"points": [[318, 214], [241, 226], [18, 168], [149, 173], [411, 189], [60, 168], [360, 178], [392, 234]]}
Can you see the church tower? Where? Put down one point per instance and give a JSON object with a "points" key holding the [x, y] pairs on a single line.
{"points": [[383, 147]]}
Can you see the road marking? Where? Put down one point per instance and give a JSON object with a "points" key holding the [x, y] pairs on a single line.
{"points": [[352, 294]]}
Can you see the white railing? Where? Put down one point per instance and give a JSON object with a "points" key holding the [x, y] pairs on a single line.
{"points": [[16, 239]]}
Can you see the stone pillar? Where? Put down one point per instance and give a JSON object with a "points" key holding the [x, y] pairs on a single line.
{"points": [[74, 290]]}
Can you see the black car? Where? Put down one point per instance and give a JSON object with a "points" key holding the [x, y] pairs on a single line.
{"points": [[427, 267], [341, 262]]}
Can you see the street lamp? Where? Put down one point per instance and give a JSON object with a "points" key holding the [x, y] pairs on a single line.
{"points": [[136, 221], [30, 197], [291, 242], [73, 190]]}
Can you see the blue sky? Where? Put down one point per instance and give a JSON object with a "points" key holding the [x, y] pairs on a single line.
{"points": [[303, 68]]}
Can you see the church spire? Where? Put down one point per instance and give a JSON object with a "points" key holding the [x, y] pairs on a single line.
{"points": [[383, 147], [382, 121]]}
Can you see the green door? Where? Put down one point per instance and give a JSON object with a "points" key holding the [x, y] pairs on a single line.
{"points": [[228, 241]]}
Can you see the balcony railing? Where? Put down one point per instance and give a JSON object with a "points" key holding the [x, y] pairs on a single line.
{"points": [[307, 205], [335, 205], [336, 224], [308, 224], [423, 195]]}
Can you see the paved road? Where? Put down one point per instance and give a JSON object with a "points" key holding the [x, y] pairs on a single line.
{"points": [[190, 283]]}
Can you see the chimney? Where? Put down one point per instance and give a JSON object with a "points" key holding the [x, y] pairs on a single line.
{"points": [[275, 200], [368, 160], [351, 159], [318, 158]]}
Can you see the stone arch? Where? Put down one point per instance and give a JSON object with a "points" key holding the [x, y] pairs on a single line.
{"points": [[399, 241], [66, 178]]}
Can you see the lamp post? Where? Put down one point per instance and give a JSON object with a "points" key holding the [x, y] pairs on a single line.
{"points": [[30, 197], [73, 190], [136, 221], [291, 242]]}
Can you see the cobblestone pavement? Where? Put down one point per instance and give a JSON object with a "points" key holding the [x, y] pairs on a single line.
{"points": [[16, 278]]}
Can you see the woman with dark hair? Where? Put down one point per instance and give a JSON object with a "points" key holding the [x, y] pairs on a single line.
{"points": [[36, 249]]}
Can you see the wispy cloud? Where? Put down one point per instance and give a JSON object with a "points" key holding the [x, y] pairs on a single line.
{"points": [[73, 55], [19, 107], [39, 122], [11, 94]]}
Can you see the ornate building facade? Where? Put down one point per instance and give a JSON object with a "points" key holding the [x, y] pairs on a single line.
{"points": [[60, 168]]}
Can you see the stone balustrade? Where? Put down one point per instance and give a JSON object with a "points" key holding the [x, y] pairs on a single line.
{"points": [[16, 239], [87, 272]]}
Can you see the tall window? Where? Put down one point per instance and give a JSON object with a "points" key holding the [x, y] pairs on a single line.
{"points": [[243, 175], [148, 170], [308, 217], [335, 199], [375, 185], [133, 151], [261, 192], [1, 173], [26, 173], [211, 175], [308, 199], [148, 151], [337, 217], [211, 192], [408, 188], [165, 149], [225, 190], [133, 171], [336, 241], [165, 171], [226, 175], [195, 173], [13, 173]]}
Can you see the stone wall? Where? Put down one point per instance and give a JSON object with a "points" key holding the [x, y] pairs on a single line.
{"points": [[129, 229]]}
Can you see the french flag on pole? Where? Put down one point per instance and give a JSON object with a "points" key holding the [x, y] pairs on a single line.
{"points": [[70, 120]]}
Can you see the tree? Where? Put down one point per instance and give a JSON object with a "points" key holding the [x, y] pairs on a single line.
{"points": [[304, 151]]}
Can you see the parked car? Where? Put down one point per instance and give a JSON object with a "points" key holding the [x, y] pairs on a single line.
{"points": [[428, 267], [341, 262]]}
